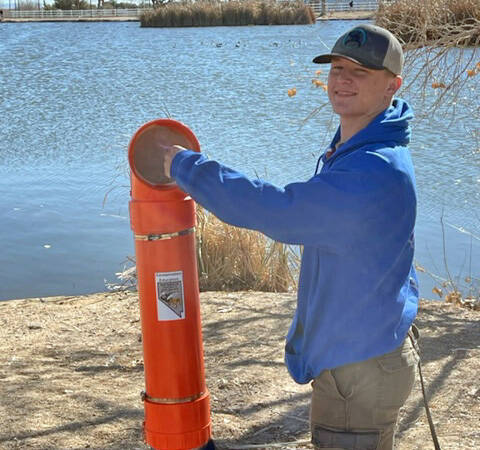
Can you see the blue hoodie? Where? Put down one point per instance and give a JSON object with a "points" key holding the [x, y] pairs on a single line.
{"points": [[357, 291]]}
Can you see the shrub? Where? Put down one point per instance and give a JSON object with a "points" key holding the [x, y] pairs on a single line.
{"points": [[214, 13], [232, 259], [439, 22]]}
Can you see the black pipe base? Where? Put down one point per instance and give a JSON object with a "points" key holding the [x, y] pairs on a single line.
{"points": [[210, 445]]}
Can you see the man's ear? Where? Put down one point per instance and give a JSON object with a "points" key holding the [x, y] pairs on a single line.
{"points": [[394, 85]]}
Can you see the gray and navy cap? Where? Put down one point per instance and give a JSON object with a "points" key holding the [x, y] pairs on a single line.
{"points": [[370, 46]]}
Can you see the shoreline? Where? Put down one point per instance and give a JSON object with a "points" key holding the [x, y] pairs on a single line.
{"points": [[126, 292], [348, 15], [334, 15], [72, 19]]}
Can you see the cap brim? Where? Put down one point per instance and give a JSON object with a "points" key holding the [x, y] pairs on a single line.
{"points": [[327, 58], [323, 59]]}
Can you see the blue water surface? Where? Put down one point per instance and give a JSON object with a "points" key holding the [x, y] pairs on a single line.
{"points": [[72, 95]]}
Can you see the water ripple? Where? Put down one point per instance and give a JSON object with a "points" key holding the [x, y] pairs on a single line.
{"points": [[72, 94]]}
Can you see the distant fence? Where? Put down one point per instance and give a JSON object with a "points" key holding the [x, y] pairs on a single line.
{"points": [[77, 13], [318, 6], [325, 6]]}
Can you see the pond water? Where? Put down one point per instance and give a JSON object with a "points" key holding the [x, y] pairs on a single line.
{"points": [[72, 95]]}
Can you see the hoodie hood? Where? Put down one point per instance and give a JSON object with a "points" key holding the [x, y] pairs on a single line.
{"points": [[391, 127]]}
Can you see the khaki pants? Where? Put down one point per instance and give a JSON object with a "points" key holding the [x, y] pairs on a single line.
{"points": [[355, 407]]}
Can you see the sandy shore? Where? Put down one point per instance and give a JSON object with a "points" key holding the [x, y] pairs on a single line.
{"points": [[71, 373]]}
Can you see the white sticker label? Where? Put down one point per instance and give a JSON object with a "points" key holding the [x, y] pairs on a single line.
{"points": [[170, 300]]}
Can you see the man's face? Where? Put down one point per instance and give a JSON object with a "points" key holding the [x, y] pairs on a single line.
{"points": [[355, 91]]}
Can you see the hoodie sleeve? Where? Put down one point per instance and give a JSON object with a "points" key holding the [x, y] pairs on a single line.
{"points": [[333, 209]]}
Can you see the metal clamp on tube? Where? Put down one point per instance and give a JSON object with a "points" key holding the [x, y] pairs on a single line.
{"points": [[161, 237], [177, 407]]}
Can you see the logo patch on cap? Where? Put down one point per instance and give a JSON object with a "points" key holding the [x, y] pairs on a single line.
{"points": [[356, 38]]}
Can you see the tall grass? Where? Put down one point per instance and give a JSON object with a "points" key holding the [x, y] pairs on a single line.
{"points": [[437, 22], [232, 259], [217, 13]]}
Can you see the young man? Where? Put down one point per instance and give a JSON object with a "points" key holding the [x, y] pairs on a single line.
{"points": [[358, 293]]}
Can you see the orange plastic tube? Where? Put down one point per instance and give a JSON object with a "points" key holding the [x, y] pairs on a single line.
{"points": [[176, 400]]}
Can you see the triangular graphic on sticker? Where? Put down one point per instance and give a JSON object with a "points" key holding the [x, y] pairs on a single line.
{"points": [[173, 300]]}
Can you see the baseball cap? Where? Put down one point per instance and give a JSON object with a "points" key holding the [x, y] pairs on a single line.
{"points": [[370, 46]]}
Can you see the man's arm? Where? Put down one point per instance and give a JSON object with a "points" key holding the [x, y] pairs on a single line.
{"points": [[338, 209]]}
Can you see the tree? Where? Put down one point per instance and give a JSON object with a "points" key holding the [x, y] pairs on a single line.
{"points": [[71, 4]]}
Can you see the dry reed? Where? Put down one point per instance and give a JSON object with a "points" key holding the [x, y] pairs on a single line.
{"points": [[230, 13], [232, 259], [442, 43], [432, 22]]}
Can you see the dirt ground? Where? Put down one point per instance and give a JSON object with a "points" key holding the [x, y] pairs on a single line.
{"points": [[71, 374]]}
